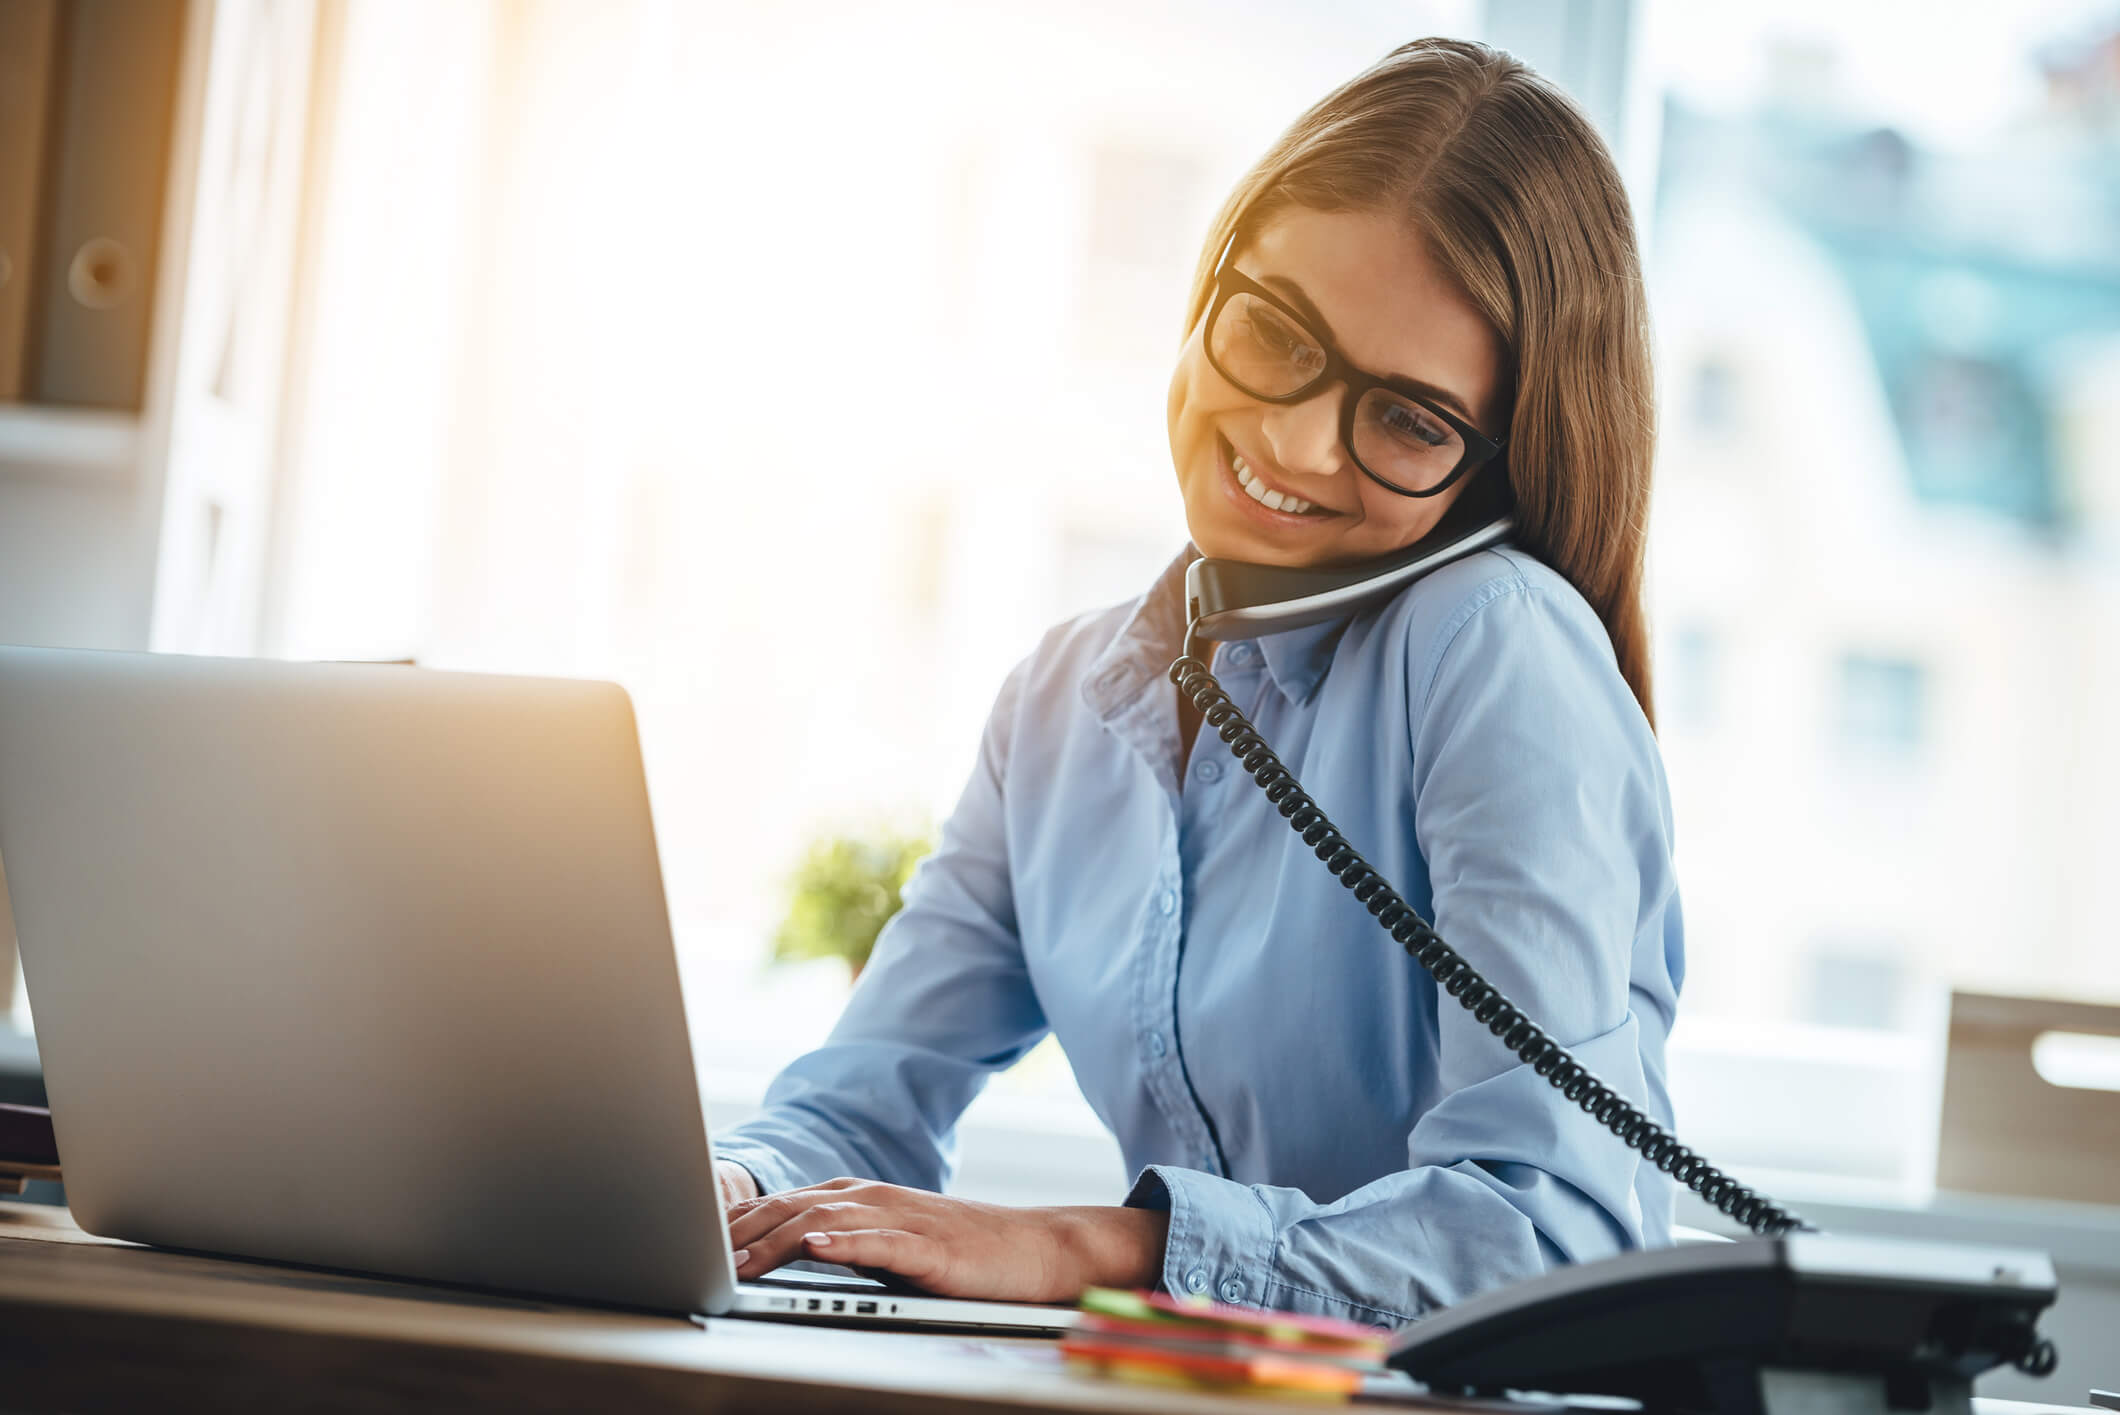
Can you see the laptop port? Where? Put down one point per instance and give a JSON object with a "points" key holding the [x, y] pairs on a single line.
{"points": [[839, 1304], [864, 1309], [815, 1303]]}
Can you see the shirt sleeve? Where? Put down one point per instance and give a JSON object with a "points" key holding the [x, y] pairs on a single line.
{"points": [[1539, 809], [943, 1003]]}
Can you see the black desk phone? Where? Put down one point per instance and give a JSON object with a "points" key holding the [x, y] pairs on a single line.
{"points": [[1791, 1320]]}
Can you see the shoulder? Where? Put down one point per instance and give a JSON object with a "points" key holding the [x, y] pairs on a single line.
{"points": [[1504, 607], [1088, 636], [1071, 659], [1500, 648], [1070, 652]]}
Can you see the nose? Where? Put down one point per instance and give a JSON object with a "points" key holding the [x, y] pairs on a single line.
{"points": [[1305, 437]]}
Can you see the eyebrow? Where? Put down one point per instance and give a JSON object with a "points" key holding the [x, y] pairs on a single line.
{"points": [[1309, 311]]}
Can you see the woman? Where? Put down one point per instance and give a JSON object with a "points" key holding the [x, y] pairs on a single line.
{"points": [[1310, 1129]]}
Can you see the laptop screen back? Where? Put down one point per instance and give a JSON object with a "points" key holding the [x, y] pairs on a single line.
{"points": [[361, 966]]}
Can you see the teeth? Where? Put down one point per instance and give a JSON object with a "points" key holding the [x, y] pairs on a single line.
{"points": [[1256, 490]]}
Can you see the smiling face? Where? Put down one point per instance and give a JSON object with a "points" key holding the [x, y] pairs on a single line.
{"points": [[1375, 293]]}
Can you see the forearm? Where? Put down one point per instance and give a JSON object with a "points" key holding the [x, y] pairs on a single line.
{"points": [[859, 1106]]}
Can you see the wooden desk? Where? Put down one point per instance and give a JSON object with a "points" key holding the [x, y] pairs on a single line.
{"points": [[87, 1324], [91, 1325]]}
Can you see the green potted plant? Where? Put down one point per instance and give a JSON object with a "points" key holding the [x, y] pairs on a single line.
{"points": [[843, 891]]}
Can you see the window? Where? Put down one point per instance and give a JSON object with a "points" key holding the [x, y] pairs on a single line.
{"points": [[1851, 984], [1880, 706], [1884, 290], [1691, 684], [1713, 405]]}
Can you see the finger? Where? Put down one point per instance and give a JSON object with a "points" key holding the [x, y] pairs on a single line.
{"points": [[766, 1251], [740, 1215], [830, 1186], [910, 1255], [747, 1221], [769, 1250]]}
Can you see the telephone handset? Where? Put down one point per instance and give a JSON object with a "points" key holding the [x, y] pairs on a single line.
{"points": [[1230, 599], [1791, 1317]]}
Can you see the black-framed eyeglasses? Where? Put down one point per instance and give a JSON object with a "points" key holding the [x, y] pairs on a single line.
{"points": [[1394, 432]]}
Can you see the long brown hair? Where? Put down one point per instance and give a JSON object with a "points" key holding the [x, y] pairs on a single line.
{"points": [[1518, 199]]}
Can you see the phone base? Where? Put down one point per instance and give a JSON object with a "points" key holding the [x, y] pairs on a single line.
{"points": [[1804, 1324], [1771, 1390]]}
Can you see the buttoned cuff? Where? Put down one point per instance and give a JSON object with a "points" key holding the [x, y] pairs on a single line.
{"points": [[1221, 1235], [772, 1173]]}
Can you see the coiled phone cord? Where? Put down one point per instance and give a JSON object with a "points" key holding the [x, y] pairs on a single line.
{"points": [[1457, 977]]}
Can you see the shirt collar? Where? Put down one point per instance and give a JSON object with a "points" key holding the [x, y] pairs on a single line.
{"points": [[1154, 635], [1296, 659]]}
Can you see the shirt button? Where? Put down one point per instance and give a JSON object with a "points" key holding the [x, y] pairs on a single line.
{"points": [[1208, 771], [1233, 1290], [1196, 1280], [1167, 901], [1156, 1046], [1241, 653]]}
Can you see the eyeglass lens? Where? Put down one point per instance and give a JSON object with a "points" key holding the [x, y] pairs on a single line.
{"points": [[1269, 355]]}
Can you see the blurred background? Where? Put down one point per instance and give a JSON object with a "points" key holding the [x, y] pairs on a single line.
{"points": [[797, 366]]}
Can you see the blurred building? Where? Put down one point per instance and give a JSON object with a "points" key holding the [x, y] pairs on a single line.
{"points": [[1885, 581]]}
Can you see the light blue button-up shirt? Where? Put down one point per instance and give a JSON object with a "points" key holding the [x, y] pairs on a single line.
{"points": [[1326, 1136]]}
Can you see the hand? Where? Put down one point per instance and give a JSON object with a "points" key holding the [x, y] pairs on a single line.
{"points": [[951, 1247], [737, 1185]]}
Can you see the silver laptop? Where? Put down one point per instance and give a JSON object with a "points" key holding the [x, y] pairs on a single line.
{"points": [[369, 968]]}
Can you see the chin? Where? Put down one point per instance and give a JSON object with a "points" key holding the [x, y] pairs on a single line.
{"points": [[1219, 540], [1255, 551]]}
